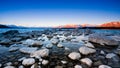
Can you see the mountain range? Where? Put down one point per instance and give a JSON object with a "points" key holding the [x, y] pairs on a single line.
{"points": [[106, 25], [109, 24]]}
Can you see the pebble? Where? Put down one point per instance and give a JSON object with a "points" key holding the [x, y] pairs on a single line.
{"points": [[102, 52], [64, 62]]}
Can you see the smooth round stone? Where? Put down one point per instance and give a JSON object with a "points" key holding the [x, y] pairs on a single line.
{"points": [[41, 53], [74, 56], [9, 67], [45, 62], [77, 66], [86, 50], [21, 66], [28, 61], [104, 66], [9, 63], [87, 61]]}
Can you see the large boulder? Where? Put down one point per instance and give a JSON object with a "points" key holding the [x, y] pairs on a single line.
{"points": [[31, 42], [41, 53], [103, 40], [86, 50], [6, 42], [28, 50], [11, 32], [74, 56]]}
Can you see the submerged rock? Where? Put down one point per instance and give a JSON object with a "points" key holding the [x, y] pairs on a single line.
{"points": [[59, 45], [21, 59], [28, 50], [74, 56], [9, 63], [13, 49], [85, 50], [31, 42], [0, 65], [103, 40], [110, 55], [9, 67], [6, 42], [28, 61], [49, 45], [21, 66], [41, 53], [54, 41], [11, 32], [89, 45]]}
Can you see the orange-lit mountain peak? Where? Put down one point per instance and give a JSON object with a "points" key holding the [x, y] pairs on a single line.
{"points": [[111, 24]]}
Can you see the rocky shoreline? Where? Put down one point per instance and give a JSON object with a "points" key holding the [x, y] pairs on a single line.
{"points": [[59, 49]]}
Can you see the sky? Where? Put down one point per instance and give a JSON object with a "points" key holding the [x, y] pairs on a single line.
{"points": [[58, 12]]}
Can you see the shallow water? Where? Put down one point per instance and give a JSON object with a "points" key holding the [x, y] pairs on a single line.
{"points": [[22, 30]]}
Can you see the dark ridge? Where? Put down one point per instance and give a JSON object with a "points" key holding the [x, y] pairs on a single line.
{"points": [[4, 26]]}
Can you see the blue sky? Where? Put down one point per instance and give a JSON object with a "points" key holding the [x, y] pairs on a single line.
{"points": [[58, 12]]}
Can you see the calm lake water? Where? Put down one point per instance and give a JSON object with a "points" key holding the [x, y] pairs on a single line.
{"points": [[22, 30], [114, 31]]}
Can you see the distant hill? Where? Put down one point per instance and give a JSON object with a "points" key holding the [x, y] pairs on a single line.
{"points": [[11, 26], [3, 26]]}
